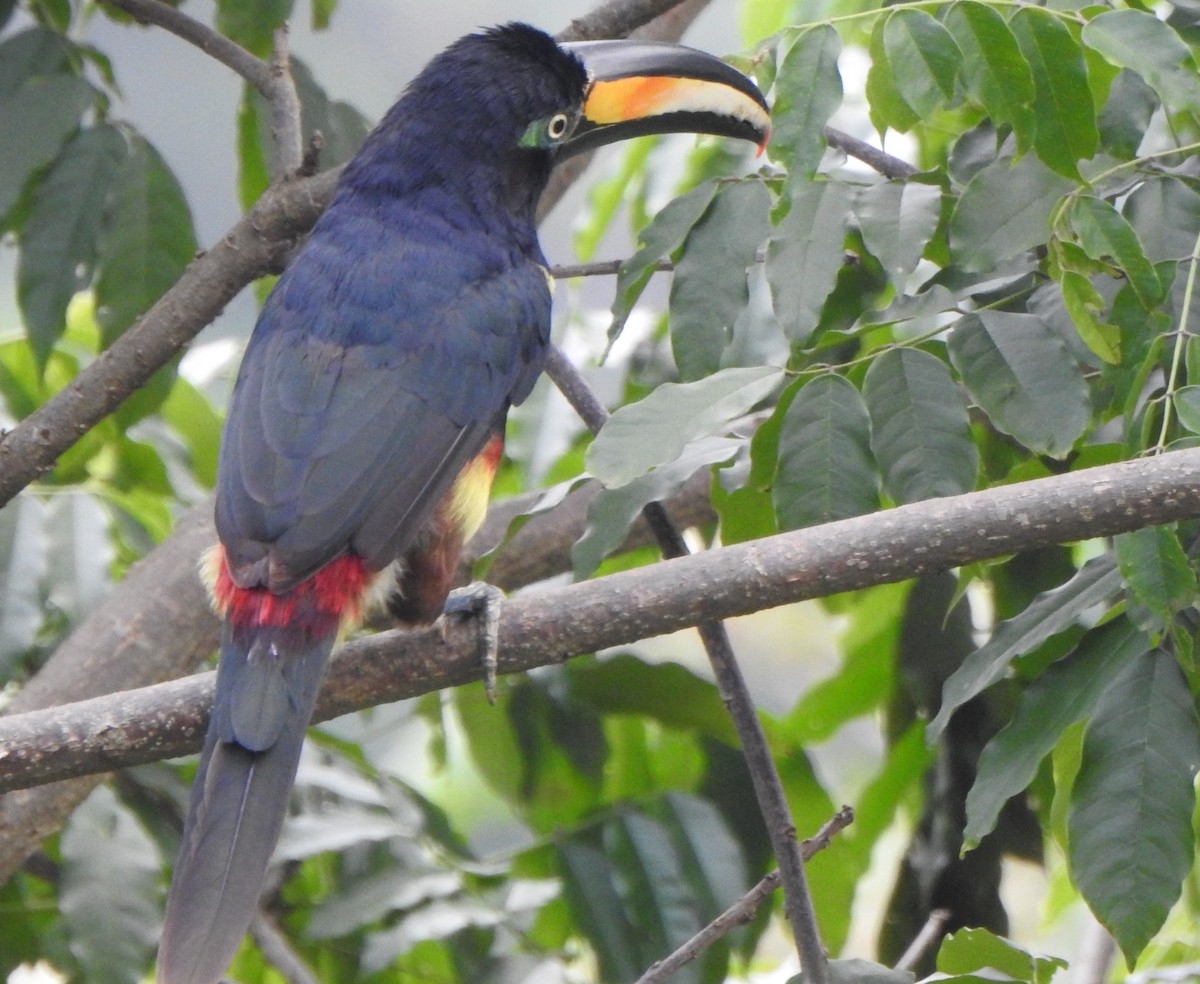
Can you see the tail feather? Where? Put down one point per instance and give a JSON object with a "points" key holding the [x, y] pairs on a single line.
{"points": [[240, 797]]}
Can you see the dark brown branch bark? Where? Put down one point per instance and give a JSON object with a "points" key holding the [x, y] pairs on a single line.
{"points": [[546, 627], [764, 776]]}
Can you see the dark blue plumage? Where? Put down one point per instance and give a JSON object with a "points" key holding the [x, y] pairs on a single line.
{"points": [[416, 313]]}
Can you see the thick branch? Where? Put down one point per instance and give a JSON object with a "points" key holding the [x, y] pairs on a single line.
{"points": [[546, 627]]}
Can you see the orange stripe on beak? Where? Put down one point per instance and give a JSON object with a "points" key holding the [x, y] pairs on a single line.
{"points": [[633, 98]]}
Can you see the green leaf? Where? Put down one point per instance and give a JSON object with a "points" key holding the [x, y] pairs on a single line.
{"points": [[1126, 114], [712, 858], [1084, 304], [1130, 827], [667, 693], [1187, 399], [1137, 40], [44, 111], [58, 244], [79, 554], [993, 68], [254, 174], [322, 13], [710, 288], [1156, 569], [590, 887], [970, 950], [865, 680], [22, 576], [659, 239], [654, 431], [189, 413], [1165, 212], [1067, 692], [660, 903], [1004, 210], [825, 469], [1066, 130], [897, 219], [809, 91], [30, 54], [1104, 233], [613, 510], [805, 254], [758, 20], [252, 25], [149, 242], [920, 431], [923, 57], [111, 894], [1048, 614], [887, 107], [1020, 373]]}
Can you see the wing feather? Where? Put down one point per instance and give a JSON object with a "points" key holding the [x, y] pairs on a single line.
{"points": [[364, 392]]}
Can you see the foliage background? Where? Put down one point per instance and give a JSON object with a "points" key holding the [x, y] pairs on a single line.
{"points": [[1017, 304]]}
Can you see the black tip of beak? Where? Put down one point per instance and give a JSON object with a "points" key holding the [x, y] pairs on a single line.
{"points": [[646, 87]]}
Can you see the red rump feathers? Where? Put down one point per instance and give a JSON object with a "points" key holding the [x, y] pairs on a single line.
{"points": [[318, 605]]}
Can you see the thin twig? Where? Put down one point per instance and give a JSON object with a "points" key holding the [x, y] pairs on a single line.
{"points": [[873, 157], [230, 54], [287, 142], [764, 775], [743, 910], [600, 268], [929, 936]]}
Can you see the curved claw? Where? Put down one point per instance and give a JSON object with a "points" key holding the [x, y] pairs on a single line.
{"points": [[481, 601]]}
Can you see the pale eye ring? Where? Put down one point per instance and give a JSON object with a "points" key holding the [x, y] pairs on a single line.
{"points": [[557, 126]]}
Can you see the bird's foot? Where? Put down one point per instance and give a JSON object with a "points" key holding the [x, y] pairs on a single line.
{"points": [[481, 601]]}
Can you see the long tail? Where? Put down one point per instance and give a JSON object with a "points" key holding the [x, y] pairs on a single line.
{"points": [[266, 686]]}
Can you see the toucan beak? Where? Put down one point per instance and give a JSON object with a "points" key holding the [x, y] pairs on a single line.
{"points": [[641, 87]]}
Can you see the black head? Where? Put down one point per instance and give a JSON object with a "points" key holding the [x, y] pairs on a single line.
{"points": [[491, 113]]}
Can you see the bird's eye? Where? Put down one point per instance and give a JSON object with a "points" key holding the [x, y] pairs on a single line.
{"points": [[557, 126]]}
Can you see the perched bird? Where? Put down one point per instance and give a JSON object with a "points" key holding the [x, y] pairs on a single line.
{"points": [[368, 415]]}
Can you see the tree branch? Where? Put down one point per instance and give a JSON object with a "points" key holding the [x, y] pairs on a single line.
{"points": [[287, 142], [873, 157], [545, 627]]}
